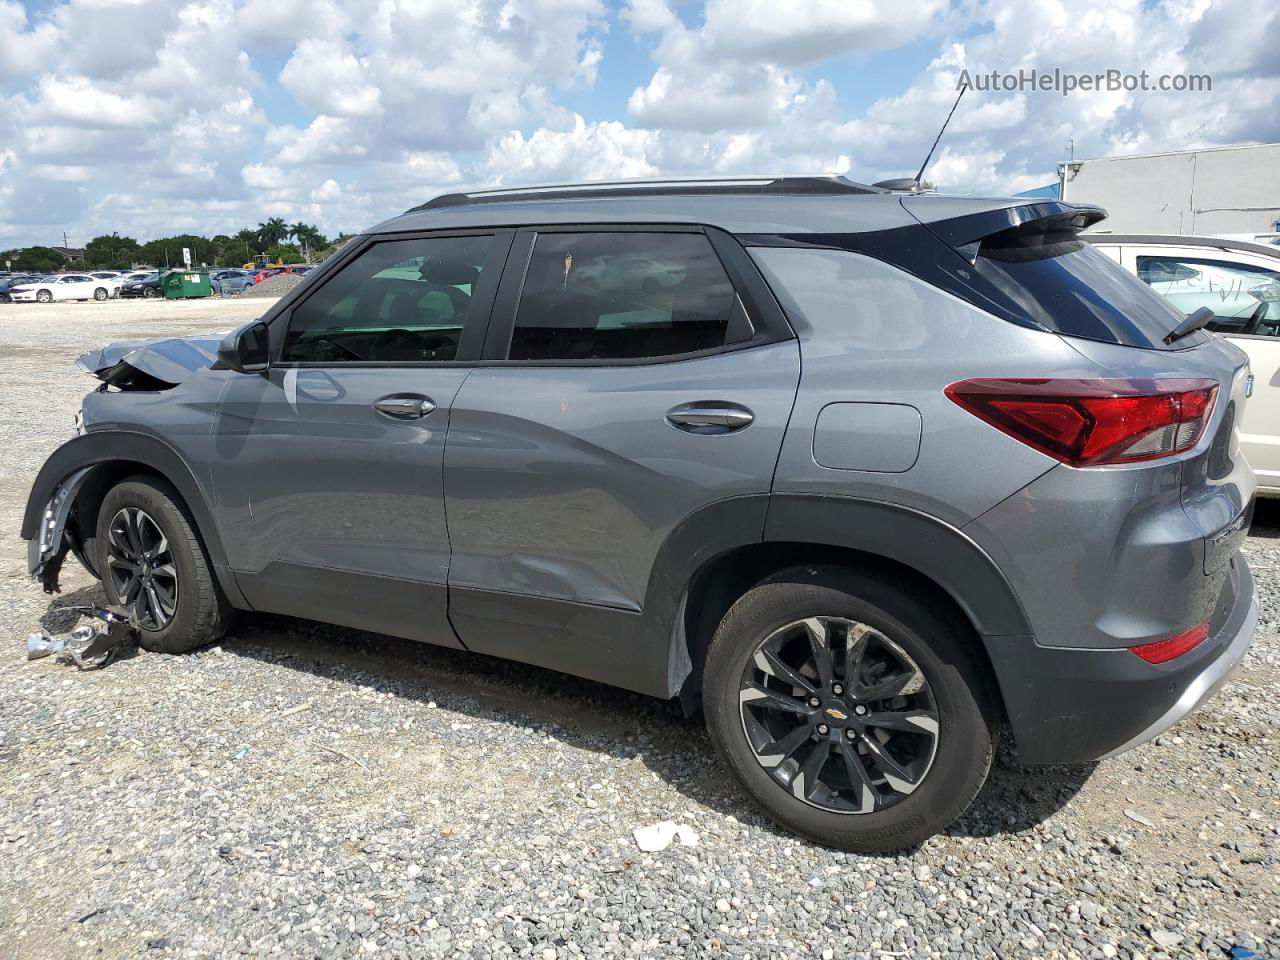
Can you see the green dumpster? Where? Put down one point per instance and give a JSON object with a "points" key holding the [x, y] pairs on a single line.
{"points": [[180, 284]]}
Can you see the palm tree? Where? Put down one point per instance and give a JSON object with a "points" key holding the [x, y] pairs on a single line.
{"points": [[273, 231]]}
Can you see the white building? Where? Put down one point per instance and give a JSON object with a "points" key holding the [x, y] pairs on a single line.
{"points": [[1217, 191]]}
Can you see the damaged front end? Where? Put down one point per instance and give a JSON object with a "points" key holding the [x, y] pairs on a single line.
{"points": [[48, 549], [152, 366]]}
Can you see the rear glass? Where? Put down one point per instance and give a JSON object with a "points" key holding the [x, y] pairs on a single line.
{"points": [[1065, 285]]}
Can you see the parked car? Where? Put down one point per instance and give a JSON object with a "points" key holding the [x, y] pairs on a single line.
{"points": [[229, 282], [110, 277], [148, 286], [67, 286], [1240, 283], [862, 499], [629, 272], [14, 280], [260, 275]]}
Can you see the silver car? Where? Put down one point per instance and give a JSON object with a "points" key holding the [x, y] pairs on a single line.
{"points": [[877, 473]]}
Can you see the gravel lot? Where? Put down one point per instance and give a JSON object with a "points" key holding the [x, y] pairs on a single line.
{"points": [[309, 791]]}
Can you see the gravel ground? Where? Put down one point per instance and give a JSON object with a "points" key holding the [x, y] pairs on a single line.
{"points": [[311, 791]]}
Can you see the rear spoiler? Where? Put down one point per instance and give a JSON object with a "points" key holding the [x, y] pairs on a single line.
{"points": [[967, 235]]}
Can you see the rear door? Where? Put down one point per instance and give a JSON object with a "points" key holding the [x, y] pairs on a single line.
{"points": [[328, 470], [607, 413]]}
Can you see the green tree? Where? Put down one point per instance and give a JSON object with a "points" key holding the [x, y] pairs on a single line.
{"points": [[110, 250], [234, 252], [272, 231], [167, 251], [33, 260], [285, 253], [308, 237]]}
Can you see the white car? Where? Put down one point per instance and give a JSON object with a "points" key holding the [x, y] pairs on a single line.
{"points": [[1240, 283], [113, 277], [67, 286], [627, 272]]}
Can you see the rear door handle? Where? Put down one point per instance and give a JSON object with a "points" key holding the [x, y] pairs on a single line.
{"points": [[404, 408], [709, 417]]}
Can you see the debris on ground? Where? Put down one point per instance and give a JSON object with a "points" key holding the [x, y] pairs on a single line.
{"points": [[1136, 817], [658, 836], [89, 646]]}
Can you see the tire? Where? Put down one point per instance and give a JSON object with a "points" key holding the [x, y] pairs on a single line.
{"points": [[148, 292], [44, 296], [198, 613], [100, 294], [943, 770]]}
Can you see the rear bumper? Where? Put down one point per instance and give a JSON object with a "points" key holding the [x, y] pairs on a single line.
{"points": [[1075, 705]]}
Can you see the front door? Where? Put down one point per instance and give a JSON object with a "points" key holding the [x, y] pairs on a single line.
{"points": [[328, 470]]}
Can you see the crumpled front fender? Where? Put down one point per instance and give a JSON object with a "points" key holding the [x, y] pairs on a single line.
{"points": [[72, 465]]}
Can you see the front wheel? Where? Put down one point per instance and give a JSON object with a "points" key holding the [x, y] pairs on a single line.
{"points": [[43, 296], [849, 711], [152, 562], [148, 292]]}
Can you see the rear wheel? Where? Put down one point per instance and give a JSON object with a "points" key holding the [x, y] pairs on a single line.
{"points": [[849, 711], [148, 292], [100, 294], [153, 563], [43, 296]]}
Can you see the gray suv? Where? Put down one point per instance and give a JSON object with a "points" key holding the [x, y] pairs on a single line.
{"points": [[861, 474]]}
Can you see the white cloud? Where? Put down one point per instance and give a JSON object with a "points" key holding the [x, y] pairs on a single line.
{"points": [[325, 77], [149, 116]]}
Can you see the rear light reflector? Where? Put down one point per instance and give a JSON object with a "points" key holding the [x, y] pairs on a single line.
{"points": [[1086, 423], [1162, 651]]}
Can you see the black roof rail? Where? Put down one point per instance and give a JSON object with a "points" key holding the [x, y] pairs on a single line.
{"points": [[602, 189]]}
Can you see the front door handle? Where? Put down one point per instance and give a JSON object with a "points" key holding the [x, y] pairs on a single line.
{"points": [[404, 408], [710, 417]]}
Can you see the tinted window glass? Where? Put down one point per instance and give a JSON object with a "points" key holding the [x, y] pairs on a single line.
{"points": [[1066, 285], [1245, 299], [617, 296], [400, 300]]}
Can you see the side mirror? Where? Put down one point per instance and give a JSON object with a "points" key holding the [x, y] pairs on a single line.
{"points": [[246, 350]]}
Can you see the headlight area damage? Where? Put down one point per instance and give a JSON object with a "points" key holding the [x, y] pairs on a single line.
{"points": [[152, 366]]}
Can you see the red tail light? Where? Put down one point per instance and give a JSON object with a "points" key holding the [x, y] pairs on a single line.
{"points": [[1089, 422], [1162, 651]]}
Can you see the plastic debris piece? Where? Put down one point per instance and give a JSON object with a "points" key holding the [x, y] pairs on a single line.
{"points": [[1244, 953], [658, 836], [89, 645], [40, 644]]}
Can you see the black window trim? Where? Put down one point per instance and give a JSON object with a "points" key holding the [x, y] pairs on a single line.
{"points": [[471, 342], [752, 292]]}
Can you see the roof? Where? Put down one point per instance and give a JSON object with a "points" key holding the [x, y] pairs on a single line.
{"points": [[741, 205], [71, 253]]}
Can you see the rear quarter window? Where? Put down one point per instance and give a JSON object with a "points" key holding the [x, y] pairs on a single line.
{"points": [[1064, 284]]}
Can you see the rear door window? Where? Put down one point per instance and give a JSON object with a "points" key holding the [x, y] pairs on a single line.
{"points": [[398, 301], [624, 295]]}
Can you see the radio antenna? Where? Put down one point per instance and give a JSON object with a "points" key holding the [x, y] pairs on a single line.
{"points": [[920, 175]]}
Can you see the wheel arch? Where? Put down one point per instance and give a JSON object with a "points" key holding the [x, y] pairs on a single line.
{"points": [[95, 462], [887, 539]]}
